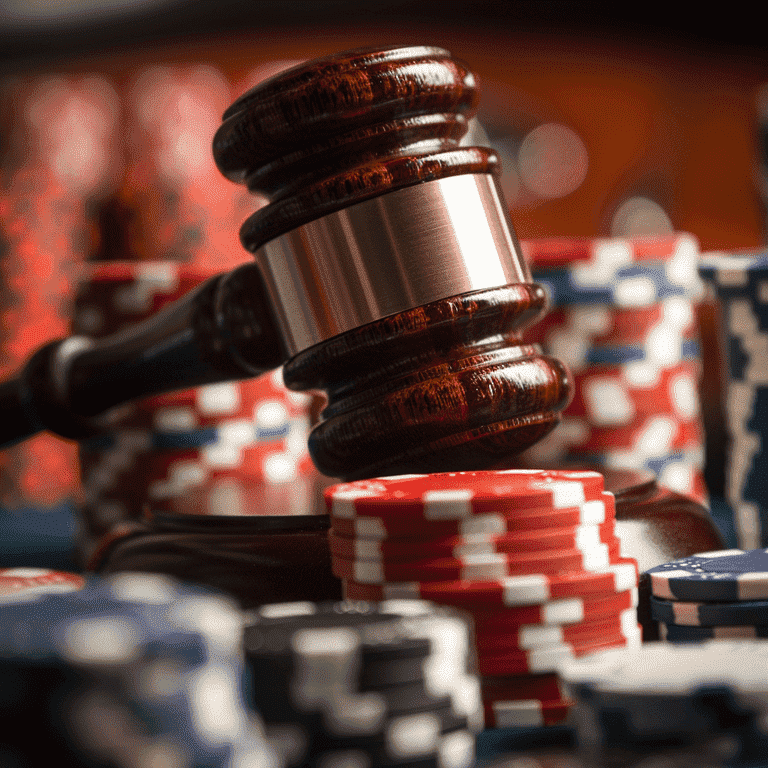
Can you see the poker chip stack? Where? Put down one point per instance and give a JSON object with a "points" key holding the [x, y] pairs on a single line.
{"points": [[362, 684], [173, 203], [530, 555], [237, 448], [720, 594], [691, 706], [739, 284], [57, 136], [135, 671], [623, 320]]}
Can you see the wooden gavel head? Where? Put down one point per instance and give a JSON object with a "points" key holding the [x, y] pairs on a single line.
{"points": [[391, 265]]}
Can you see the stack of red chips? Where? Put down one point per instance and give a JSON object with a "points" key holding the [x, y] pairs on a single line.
{"points": [[237, 448], [624, 321], [58, 145], [531, 555], [176, 205]]}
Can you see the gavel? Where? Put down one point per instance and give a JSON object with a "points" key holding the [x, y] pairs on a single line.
{"points": [[386, 273]]}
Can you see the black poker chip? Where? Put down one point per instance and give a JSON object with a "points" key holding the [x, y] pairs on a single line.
{"points": [[381, 673], [386, 681]]}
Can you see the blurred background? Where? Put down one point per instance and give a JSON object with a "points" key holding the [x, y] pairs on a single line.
{"points": [[608, 123]]}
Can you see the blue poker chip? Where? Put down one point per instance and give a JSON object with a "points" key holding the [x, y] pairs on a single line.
{"points": [[734, 275], [189, 440], [748, 612], [728, 575], [674, 633], [141, 650], [741, 280], [689, 350], [632, 286]]}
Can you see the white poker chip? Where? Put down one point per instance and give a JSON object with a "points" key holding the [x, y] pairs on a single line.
{"points": [[662, 669]]}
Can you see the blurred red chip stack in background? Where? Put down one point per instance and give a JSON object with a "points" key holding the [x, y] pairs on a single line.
{"points": [[174, 203], [57, 163], [232, 449]]}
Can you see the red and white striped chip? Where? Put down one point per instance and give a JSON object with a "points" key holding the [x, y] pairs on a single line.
{"points": [[550, 658], [584, 537], [509, 520], [525, 713], [495, 566], [457, 495], [530, 590]]}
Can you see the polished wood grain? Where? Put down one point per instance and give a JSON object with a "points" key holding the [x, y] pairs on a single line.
{"points": [[444, 386], [334, 132]]}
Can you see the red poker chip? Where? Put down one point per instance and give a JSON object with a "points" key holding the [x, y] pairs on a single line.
{"points": [[116, 294], [532, 590], [590, 609], [529, 637], [32, 581], [612, 396], [538, 561], [168, 162], [518, 543], [550, 658], [175, 472], [475, 567], [649, 435], [264, 400], [243, 497], [530, 713], [456, 495], [594, 512], [600, 326], [551, 253]]}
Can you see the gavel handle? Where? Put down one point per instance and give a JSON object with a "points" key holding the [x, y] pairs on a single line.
{"points": [[221, 331]]}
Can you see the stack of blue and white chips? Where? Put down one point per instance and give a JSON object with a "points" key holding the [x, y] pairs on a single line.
{"points": [[720, 594], [689, 706], [741, 287], [135, 670]]}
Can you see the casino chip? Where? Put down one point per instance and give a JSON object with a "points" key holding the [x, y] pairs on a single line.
{"points": [[457, 495], [494, 566], [231, 448], [752, 612], [710, 694], [624, 321], [393, 549], [676, 633], [24, 584], [123, 672], [550, 658], [531, 555], [727, 575], [390, 681], [738, 283], [531, 590], [517, 522], [721, 594]]}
